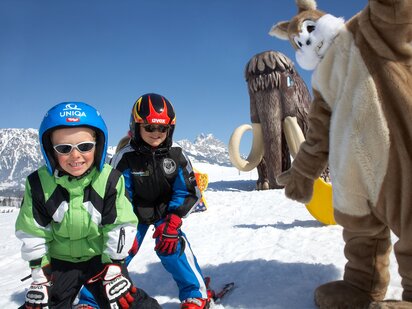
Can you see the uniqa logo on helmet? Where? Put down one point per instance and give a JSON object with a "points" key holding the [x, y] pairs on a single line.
{"points": [[72, 113]]}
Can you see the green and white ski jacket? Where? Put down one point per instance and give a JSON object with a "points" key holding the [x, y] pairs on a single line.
{"points": [[76, 219]]}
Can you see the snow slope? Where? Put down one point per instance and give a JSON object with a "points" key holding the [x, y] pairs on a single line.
{"points": [[271, 247]]}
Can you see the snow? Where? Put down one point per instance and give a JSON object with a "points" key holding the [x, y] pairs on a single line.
{"points": [[271, 247]]}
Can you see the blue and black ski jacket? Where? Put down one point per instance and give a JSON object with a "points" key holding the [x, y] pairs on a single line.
{"points": [[159, 181]]}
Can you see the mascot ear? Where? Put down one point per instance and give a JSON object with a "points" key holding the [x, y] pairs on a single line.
{"points": [[305, 5], [280, 30]]}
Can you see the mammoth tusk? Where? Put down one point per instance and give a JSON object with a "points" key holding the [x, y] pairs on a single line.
{"points": [[293, 134], [256, 153]]}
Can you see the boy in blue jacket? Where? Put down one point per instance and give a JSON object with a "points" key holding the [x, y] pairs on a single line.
{"points": [[162, 185]]}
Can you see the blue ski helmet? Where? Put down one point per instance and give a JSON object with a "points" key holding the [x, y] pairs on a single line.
{"points": [[68, 115]]}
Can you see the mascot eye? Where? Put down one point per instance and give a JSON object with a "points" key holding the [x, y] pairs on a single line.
{"points": [[310, 28], [297, 42]]}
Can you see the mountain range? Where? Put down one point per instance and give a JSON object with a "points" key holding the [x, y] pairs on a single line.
{"points": [[20, 155]]}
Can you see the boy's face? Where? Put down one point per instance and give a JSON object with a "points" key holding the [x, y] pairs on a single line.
{"points": [[75, 163], [155, 138]]}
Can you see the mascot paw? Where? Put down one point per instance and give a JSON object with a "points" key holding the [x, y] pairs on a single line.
{"points": [[339, 294], [390, 304]]}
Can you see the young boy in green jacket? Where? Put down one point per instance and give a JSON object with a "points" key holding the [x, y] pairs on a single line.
{"points": [[76, 221]]}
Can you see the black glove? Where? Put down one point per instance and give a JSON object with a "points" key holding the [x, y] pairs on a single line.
{"points": [[37, 296], [117, 288]]}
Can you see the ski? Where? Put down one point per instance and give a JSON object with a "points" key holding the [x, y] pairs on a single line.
{"points": [[226, 289], [217, 296]]}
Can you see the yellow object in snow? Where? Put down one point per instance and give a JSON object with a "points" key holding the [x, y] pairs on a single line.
{"points": [[202, 181], [320, 206]]}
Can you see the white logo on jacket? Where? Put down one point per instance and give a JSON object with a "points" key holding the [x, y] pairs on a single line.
{"points": [[169, 166]]}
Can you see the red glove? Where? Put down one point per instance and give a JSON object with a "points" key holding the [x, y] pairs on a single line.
{"points": [[133, 250], [118, 289], [37, 295], [168, 234]]}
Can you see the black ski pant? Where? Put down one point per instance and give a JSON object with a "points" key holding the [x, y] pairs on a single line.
{"points": [[68, 278]]}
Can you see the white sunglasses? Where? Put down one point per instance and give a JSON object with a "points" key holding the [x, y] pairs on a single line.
{"points": [[83, 147]]}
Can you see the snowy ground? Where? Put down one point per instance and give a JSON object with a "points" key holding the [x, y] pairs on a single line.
{"points": [[271, 247]]}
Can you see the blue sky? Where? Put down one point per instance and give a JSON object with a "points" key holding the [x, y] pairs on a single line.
{"points": [[108, 53]]}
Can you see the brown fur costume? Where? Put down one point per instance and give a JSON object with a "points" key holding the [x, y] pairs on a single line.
{"points": [[361, 121]]}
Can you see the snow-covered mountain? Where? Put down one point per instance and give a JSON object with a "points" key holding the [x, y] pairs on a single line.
{"points": [[20, 155], [206, 149]]}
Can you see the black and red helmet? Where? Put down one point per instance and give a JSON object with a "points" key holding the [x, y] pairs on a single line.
{"points": [[151, 108]]}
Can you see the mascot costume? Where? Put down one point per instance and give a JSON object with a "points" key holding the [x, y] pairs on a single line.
{"points": [[360, 122]]}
